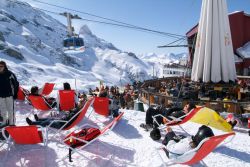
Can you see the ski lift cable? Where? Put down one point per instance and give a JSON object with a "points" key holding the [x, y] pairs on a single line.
{"points": [[146, 29], [170, 44], [181, 39], [107, 23]]}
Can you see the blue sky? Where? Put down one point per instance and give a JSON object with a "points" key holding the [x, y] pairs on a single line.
{"points": [[171, 16]]}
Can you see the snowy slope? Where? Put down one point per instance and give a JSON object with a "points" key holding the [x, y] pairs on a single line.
{"points": [[127, 145], [31, 44], [158, 61]]}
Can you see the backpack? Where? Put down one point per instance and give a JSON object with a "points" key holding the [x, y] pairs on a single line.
{"points": [[86, 134]]}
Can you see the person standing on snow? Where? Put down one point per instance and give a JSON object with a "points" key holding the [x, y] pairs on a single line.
{"points": [[8, 92]]}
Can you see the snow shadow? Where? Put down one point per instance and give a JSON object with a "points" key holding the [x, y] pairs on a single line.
{"points": [[108, 162], [29, 155], [234, 153], [110, 154], [126, 130]]}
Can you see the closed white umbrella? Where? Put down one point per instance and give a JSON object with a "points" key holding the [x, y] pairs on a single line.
{"points": [[214, 57]]}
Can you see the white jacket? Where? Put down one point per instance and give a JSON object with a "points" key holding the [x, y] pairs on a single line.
{"points": [[177, 149]]}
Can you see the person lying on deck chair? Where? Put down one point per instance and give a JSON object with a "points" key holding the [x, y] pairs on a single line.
{"points": [[34, 91], [177, 145], [168, 113], [57, 125]]}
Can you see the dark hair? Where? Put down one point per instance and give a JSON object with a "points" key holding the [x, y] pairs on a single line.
{"points": [[4, 64], [191, 106], [34, 90], [66, 86], [155, 134], [203, 132]]}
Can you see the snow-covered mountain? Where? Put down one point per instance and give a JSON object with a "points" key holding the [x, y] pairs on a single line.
{"points": [[31, 44], [158, 61]]}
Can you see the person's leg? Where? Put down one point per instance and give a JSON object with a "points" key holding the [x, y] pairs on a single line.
{"points": [[11, 111], [115, 113], [33, 122], [4, 110], [149, 114], [169, 136]]}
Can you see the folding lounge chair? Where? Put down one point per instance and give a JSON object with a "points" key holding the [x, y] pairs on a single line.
{"points": [[101, 106], [22, 93], [66, 100], [74, 120], [25, 134], [193, 156], [47, 89], [39, 103], [177, 121], [85, 143]]}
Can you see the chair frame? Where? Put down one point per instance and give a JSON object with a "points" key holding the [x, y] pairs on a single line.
{"points": [[104, 130], [39, 129], [82, 111], [177, 121], [49, 107], [197, 154]]}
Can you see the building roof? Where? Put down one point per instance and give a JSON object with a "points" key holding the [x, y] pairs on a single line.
{"points": [[194, 29], [174, 65], [244, 51]]}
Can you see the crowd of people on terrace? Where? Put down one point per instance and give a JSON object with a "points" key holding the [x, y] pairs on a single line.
{"points": [[190, 90], [10, 87]]}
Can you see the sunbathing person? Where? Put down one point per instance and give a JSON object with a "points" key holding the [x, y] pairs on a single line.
{"points": [[168, 113], [179, 145], [34, 91], [57, 124]]}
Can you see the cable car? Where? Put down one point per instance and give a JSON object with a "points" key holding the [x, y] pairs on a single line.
{"points": [[73, 43]]}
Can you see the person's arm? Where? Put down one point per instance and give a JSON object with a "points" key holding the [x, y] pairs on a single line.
{"points": [[14, 84], [171, 110], [178, 114], [176, 149]]}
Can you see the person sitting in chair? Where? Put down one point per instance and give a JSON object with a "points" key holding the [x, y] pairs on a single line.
{"points": [[34, 91], [168, 113], [58, 124], [67, 87], [179, 145]]}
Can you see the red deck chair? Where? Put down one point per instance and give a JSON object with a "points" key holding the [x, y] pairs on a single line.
{"points": [[177, 121], [74, 120], [200, 152], [66, 100], [103, 131], [47, 89], [26, 134], [101, 105], [39, 103], [22, 93]]}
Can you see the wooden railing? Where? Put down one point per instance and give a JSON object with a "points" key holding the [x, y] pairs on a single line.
{"points": [[154, 98]]}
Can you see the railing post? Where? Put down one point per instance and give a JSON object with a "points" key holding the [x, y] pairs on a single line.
{"points": [[148, 99]]}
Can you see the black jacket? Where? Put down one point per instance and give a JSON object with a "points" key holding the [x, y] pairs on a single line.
{"points": [[8, 84]]}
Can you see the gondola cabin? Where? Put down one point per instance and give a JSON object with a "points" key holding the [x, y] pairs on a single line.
{"points": [[73, 43]]}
